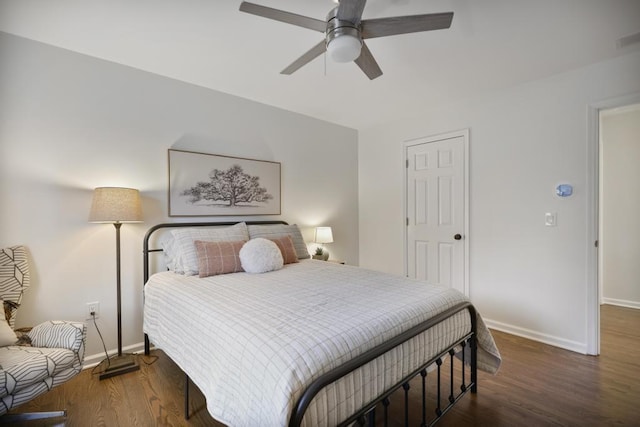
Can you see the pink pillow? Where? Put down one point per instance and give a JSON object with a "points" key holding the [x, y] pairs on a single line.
{"points": [[285, 244], [218, 257]]}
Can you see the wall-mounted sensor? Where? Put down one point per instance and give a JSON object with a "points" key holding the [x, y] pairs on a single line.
{"points": [[564, 190]]}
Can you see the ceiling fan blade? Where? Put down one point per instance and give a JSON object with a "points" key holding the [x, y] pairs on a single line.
{"points": [[382, 27], [311, 54], [282, 16], [367, 63], [351, 10]]}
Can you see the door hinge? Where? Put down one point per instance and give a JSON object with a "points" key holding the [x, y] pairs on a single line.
{"points": [[407, 163], [407, 221], [596, 244]]}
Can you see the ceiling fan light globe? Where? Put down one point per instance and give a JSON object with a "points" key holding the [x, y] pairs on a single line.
{"points": [[345, 48]]}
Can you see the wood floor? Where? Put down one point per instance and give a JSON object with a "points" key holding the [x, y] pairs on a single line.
{"points": [[537, 385]]}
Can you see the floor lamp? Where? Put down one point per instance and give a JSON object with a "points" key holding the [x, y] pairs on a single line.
{"points": [[117, 205]]}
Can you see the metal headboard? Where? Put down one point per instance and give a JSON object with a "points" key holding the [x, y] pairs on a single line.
{"points": [[147, 251]]}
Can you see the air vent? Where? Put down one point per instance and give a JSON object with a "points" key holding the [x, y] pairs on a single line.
{"points": [[628, 40]]}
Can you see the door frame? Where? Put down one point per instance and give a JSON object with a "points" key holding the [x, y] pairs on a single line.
{"points": [[464, 133], [593, 206]]}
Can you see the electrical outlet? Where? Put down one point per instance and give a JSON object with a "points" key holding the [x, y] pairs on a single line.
{"points": [[93, 307]]}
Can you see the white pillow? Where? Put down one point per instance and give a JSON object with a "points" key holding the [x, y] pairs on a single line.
{"points": [[185, 259], [272, 231], [7, 336], [260, 255]]}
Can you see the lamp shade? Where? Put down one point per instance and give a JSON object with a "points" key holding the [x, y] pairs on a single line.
{"points": [[323, 235], [115, 204]]}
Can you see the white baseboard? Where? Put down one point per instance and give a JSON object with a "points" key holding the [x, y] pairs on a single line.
{"points": [[537, 336], [621, 303], [95, 359]]}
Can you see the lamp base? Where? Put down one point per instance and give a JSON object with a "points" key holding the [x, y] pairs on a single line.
{"points": [[119, 365]]}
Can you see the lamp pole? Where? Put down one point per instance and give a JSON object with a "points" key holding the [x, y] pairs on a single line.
{"points": [[117, 225], [119, 364]]}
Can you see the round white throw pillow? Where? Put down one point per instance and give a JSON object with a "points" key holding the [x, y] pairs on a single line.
{"points": [[260, 255]]}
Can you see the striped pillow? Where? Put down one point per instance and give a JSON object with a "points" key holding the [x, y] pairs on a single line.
{"points": [[272, 231], [218, 257], [285, 244]]}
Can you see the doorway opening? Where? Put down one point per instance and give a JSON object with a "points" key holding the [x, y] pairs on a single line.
{"points": [[619, 206], [596, 196]]}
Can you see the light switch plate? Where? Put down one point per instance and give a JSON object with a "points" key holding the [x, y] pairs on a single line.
{"points": [[550, 219]]}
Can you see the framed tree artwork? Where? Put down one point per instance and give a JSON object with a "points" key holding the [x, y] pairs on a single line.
{"points": [[208, 184]]}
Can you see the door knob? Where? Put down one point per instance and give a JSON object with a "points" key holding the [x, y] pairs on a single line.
{"points": [[457, 237]]}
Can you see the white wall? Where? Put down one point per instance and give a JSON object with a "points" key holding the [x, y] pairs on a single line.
{"points": [[524, 277], [620, 199], [70, 123]]}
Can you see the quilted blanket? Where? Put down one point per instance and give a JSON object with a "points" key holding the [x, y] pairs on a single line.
{"points": [[253, 342]]}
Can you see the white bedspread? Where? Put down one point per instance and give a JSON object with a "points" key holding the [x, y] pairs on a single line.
{"points": [[252, 343]]}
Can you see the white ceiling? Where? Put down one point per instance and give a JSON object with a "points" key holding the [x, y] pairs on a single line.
{"points": [[491, 44]]}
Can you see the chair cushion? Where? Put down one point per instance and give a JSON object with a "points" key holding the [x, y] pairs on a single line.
{"points": [[21, 367], [7, 335]]}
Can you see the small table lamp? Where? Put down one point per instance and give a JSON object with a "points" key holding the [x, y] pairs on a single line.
{"points": [[117, 205], [323, 235]]}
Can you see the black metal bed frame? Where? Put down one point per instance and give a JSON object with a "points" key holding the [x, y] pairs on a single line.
{"points": [[367, 414]]}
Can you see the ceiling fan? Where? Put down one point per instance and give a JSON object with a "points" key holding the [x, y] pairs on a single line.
{"points": [[345, 32]]}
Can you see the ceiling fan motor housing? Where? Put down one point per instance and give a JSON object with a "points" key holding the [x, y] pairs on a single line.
{"points": [[343, 39]]}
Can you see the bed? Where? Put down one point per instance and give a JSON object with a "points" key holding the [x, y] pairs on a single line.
{"points": [[313, 343]]}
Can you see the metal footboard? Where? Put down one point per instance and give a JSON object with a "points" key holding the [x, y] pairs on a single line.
{"points": [[368, 412]]}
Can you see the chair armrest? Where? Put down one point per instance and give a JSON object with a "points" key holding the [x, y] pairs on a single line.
{"points": [[60, 334]]}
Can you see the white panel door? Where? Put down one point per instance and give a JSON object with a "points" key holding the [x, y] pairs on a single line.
{"points": [[436, 211]]}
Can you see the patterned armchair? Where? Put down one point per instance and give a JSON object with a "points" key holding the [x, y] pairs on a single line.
{"points": [[34, 360]]}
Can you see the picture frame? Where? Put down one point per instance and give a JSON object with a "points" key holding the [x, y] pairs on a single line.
{"points": [[203, 184]]}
